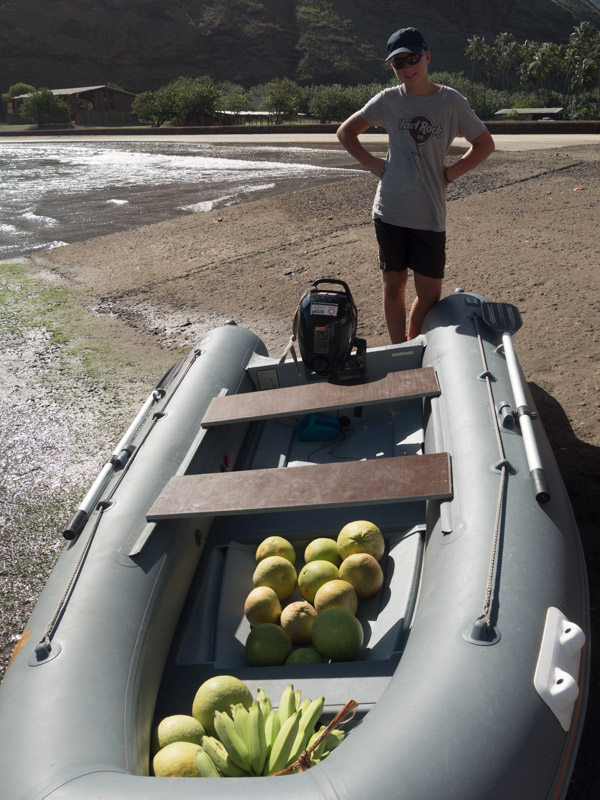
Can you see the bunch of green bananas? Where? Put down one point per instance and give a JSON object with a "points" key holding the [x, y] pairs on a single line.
{"points": [[262, 740]]}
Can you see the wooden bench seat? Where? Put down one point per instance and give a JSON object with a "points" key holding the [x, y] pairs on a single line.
{"points": [[380, 480], [321, 396]]}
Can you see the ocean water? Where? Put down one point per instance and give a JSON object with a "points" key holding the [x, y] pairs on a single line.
{"points": [[52, 194]]}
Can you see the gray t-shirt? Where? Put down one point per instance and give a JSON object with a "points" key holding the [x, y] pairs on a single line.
{"points": [[421, 129]]}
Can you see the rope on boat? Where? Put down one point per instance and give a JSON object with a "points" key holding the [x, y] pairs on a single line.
{"points": [[44, 646], [503, 466]]}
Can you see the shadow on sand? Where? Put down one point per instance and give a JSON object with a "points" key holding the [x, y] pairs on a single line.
{"points": [[579, 464]]}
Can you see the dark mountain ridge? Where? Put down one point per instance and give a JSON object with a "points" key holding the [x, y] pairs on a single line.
{"points": [[142, 44]]}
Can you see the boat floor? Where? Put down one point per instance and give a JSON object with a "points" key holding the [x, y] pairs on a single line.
{"points": [[213, 630]]}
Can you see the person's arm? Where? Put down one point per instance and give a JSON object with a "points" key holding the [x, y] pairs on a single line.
{"points": [[480, 149], [348, 134]]}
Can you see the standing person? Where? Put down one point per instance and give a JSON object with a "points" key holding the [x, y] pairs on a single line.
{"points": [[422, 118]]}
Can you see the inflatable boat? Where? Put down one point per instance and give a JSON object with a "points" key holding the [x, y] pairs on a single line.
{"points": [[473, 677]]}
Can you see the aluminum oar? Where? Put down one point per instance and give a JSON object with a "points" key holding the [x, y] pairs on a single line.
{"points": [[504, 318]]}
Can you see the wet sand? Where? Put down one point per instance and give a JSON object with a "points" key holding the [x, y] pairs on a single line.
{"points": [[522, 228]]}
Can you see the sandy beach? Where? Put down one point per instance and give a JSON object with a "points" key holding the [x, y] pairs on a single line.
{"points": [[522, 228]]}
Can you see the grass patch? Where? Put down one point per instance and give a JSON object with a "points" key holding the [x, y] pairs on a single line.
{"points": [[103, 348], [25, 304]]}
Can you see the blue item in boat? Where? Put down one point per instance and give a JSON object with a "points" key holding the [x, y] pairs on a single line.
{"points": [[318, 428]]}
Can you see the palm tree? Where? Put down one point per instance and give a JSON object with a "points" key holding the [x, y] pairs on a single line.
{"points": [[585, 38], [543, 63], [476, 48], [569, 69], [509, 53], [528, 53], [584, 77]]}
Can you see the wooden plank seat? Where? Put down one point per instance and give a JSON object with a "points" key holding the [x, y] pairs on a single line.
{"points": [[321, 396], [380, 480]]}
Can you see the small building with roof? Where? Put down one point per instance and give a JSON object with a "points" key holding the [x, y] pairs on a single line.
{"points": [[88, 105], [530, 113]]}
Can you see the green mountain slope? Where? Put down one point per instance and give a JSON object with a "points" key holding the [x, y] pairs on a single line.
{"points": [[141, 44]]}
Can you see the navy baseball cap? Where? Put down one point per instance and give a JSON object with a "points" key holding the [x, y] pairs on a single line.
{"points": [[406, 40]]}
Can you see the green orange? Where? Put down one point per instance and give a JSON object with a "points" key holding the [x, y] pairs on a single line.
{"points": [[337, 634], [313, 575], [323, 549], [267, 645]]}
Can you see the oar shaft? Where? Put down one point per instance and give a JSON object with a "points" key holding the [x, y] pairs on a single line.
{"points": [[89, 502], [532, 452]]}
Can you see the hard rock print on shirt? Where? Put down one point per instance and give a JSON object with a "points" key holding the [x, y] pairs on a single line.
{"points": [[421, 129]]}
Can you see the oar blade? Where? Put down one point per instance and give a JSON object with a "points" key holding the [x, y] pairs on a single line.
{"points": [[501, 317]]}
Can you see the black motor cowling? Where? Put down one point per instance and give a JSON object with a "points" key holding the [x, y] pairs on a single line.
{"points": [[325, 328]]}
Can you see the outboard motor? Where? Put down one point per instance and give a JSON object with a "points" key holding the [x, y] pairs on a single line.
{"points": [[325, 328]]}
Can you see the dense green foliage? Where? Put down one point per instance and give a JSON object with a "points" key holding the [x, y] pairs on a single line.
{"points": [[335, 103], [283, 99], [185, 101], [20, 88], [569, 73], [43, 107], [505, 74]]}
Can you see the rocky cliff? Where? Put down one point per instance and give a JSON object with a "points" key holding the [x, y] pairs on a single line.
{"points": [[142, 44]]}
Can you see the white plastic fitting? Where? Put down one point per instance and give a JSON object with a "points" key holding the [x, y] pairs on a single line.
{"points": [[557, 669]]}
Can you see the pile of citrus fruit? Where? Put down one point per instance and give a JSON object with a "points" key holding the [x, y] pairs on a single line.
{"points": [[230, 735], [322, 626]]}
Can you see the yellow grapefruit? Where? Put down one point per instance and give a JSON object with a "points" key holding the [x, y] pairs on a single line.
{"points": [[360, 537], [276, 546], [177, 728], [262, 605], [336, 594], [297, 619], [217, 694], [176, 760], [363, 572], [277, 573]]}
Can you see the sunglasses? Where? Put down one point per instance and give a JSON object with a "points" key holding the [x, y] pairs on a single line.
{"points": [[411, 60]]}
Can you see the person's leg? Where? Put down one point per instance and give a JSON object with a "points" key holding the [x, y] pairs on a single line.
{"points": [[392, 241], [427, 257], [429, 291], [394, 303]]}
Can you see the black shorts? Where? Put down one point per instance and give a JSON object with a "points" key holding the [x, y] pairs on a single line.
{"points": [[399, 248]]}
